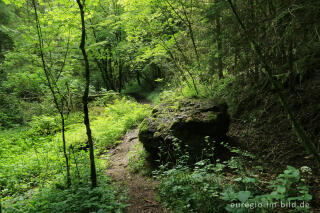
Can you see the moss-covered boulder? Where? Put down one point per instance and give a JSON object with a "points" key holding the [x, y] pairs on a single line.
{"points": [[185, 126]]}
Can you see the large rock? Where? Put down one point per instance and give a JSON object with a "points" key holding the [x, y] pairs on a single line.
{"points": [[186, 126]]}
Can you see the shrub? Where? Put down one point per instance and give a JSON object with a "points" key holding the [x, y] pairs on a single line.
{"points": [[44, 125]]}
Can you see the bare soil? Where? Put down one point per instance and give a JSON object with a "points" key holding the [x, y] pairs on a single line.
{"points": [[141, 189]]}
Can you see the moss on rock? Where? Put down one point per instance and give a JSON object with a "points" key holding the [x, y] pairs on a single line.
{"points": [[186, 125]]}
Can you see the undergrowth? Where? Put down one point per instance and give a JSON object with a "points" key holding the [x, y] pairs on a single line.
{"points": [[236, 185], [79, 198], [108, 128], [138, 160], [32, 166]]}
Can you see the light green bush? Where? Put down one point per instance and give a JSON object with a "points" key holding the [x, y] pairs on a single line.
{"points": [[44, 125]]}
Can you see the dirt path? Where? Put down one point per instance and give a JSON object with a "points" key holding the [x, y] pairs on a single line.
{"points": [[139, 98], [141, 189]]}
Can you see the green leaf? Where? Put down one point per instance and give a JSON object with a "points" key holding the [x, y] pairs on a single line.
{"points": [[238, 179], [243, 196], [281, 189], [159, 80], [250, 180]]}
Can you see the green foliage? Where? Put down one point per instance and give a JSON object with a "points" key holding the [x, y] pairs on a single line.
{"points": [[108, 98], [154, 96], [184, 44], [77, 199], [107, 129], [23, 75], [187, 90], [9, 111], [138, 160], [6, 42], [32, 157], [144, 89], [26, 162], [201, 90], [289, 192], [183, 190], [207, 187], [44, 125], [168, 96]]}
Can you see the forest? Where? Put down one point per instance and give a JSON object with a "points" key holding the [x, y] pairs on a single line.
{"points": [[159, 106]]}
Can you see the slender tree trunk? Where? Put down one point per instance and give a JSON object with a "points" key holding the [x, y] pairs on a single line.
{"points": [[102, 63], [103, 72], [120, 66], [64, 149], [75, 162], [138, 77], [193, 42], [191, 33], [86, 94], [219, 42], [188, 24], [291, 76], [53, 92], [109, 68]]}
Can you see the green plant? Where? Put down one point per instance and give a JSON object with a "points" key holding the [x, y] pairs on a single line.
{"points": [[80, 199], [289, 193], [207, 187], [31, 157], [109, 125], [184, 190], [44, 125], [108, 98], [137, 160]]}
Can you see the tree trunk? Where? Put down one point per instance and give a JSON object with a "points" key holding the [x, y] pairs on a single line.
{"points": [[109, 68], [51, 84], [219, 42], [120, 66], [138, 77], [65, 150], [85, 96], [101, 63]]}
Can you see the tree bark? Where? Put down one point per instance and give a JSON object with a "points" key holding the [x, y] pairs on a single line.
{"points": [[93, 174], [64, 149]]}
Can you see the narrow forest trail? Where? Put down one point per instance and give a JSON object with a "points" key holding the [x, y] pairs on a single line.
{"points": [[142, 197], [141, 189]]}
